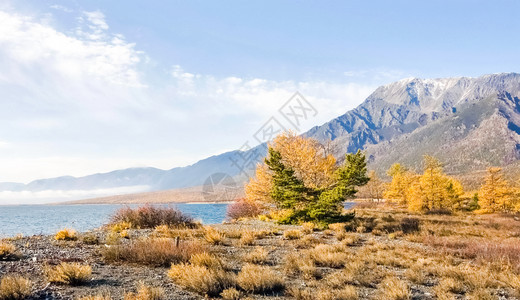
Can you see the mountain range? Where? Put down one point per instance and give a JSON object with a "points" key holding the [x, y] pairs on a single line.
{"points": [[468, 123]]}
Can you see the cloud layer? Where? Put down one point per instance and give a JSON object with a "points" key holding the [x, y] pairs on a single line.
{"points": [[86, 100]]}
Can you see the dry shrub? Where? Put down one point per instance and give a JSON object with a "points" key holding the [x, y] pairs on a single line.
{"points": [[68, 273], [231, 294], [100, 296], [259, 279], [200, 279], [365, 273], [450, 285], [146, 292], [395, 289], [89, 239], [329, 256], [165, 231], [409, 225], [15, 288], [149, 216], [120, 226], [350, 239], [292, 234], [257, 256], [504, 252], [296, 263], [337, 227], [308, 241], [345, 293], [416, 275], [8, 251], [214, 236], [248, 238], [66, 235], [308, 227], [204, 259], [155, 252], [243, 208]]}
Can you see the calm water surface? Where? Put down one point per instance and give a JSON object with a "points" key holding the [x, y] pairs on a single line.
{"points": [[48, 219]]}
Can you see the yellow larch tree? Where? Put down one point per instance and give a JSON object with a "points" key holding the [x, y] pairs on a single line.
{"points": [[398, 189], [305, 156], [433, 189], [496, 194]]}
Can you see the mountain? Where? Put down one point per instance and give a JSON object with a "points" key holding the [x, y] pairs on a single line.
{"points": [[469, 123]]}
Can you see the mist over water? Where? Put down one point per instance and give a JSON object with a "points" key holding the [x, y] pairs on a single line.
{"points": [[48, 219]]}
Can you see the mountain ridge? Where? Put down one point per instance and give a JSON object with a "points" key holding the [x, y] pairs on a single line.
{"points": [[463, 120]]}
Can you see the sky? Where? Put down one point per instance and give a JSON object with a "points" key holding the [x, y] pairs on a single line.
{"points": [[93, 86]]}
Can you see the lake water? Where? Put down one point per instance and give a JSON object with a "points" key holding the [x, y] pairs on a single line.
{"points": [[48, 219]]}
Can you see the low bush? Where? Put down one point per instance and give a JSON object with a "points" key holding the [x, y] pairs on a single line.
{"points": [[292, 234], [248, 238], [409, 225], [154, 252], [149, 216], [15, 288], [68, 273], [89, 239], [66, 235], [259, 279], [214, 236], [231, 294], [296, 263], [200, 279], [393, 288], [243, 209], [8, 251], [204, 259], [146, 292], [257, 256]]}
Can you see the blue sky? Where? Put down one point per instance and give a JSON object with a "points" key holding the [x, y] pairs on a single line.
{"points": [[92, 86]]}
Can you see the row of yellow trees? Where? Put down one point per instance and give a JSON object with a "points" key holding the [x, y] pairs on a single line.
{"points": [[434, 190]]}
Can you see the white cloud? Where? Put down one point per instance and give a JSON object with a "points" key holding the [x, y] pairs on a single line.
{"points": [[61, 8], [79, 103]]}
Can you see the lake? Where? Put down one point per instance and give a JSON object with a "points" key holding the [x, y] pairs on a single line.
{"points": [[48, 219]]}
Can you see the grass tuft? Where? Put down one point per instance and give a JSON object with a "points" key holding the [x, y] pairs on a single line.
{"points": [[259, 279], [15, 288], [68, 273], [66, 234]]}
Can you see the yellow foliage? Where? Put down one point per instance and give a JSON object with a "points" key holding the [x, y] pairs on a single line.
{"points": [[304, 155], [397, 190], [434, 189], [496, 194], [375, 188], [66, 235]]}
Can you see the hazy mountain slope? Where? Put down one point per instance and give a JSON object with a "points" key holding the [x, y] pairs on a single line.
{"points": [[469, 123]]}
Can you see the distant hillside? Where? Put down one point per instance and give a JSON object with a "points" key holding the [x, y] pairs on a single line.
{"points": [[469, 123]]}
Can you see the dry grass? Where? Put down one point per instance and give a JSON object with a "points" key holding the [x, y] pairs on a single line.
{"points": [[200, 279], [207, 260], [8, 251], [345, 293], [100, 296], [149, 216], [214, 236], [292, 234], [68, 273], [66, 234], [248, 238], [328, 256], [259, 279], [231, 294], [257, 256], [308, 227], [296, 264], [154, 252], [15, 288], [146, 292], [395, 289]]}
